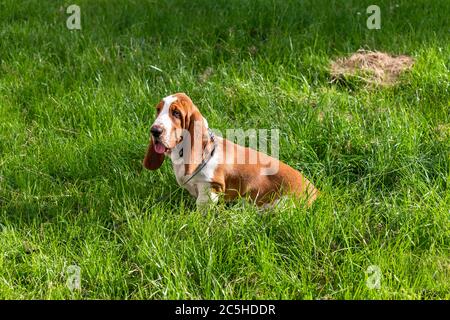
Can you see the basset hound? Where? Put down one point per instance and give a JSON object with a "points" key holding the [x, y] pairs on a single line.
{"points": [[208, 165]]}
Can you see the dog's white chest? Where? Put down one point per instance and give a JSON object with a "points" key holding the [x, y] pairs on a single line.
{"points": [[201, 179]]}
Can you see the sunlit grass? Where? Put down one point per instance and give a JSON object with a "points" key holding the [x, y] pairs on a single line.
{"points": [[75, 111]]}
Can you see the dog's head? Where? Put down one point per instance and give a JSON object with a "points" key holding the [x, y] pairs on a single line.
{"points": [[177, 120]]}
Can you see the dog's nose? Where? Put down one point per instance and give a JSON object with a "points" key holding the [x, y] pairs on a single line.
{"points": [[156, 131]]}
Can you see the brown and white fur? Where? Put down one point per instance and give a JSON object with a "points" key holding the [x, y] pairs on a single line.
{"points": [[180, 125]]}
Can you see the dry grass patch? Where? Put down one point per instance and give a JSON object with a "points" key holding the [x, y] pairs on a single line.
{"points": [[372, 67], [443, 132]]}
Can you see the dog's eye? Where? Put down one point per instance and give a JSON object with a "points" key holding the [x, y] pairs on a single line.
{"points": [[158, 110], [176, 114]]}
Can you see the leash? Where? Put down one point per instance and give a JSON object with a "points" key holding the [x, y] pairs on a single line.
{"points": [[204, 162], [196, 171]]}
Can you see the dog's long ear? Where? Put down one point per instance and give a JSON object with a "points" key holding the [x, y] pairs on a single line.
{"points": [[194, 156], [195, 136], [152, 160]]}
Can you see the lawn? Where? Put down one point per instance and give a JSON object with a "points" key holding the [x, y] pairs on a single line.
{"points": [[75, 112]]}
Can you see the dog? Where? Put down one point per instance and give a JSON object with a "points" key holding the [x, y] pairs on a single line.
{"points": [[208, 166]]}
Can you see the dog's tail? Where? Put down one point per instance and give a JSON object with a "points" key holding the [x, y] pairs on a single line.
{"points": [[311, 192]]}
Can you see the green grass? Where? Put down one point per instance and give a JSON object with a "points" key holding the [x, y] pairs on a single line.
{"points": [[75, 111]]}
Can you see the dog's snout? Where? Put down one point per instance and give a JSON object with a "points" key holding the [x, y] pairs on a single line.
{"points": [[156, 131]]}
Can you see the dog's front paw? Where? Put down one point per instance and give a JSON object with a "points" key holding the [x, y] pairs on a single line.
{"points": [[204, 206]]}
